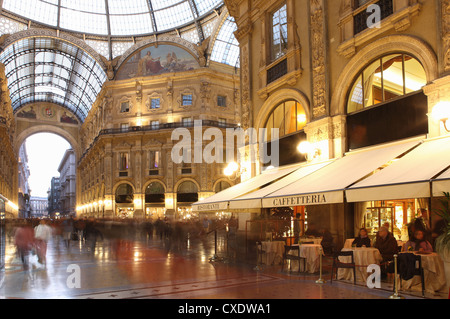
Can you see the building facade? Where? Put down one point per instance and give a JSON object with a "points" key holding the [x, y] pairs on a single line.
{"points": [[24, 189], [53, 198], [39, 207], [67, 180], [345, 76]]}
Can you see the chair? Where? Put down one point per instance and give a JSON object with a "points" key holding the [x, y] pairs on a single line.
{"points": [[259, 253], [288, 256], [339, 264], [407, 270]]}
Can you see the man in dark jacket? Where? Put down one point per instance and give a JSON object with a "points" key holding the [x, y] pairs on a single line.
{"points": [[388, 247], [386, 244]]}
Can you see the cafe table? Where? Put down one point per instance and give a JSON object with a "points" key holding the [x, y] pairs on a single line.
{"points": [[273, 252], [312, 254], [434, 273], [363, 257]]}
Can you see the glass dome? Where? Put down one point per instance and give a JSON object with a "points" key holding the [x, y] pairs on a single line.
{"points": [[113, 17]]}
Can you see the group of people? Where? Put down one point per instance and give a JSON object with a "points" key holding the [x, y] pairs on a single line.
{"points": [[419, 241], [31, 237]]}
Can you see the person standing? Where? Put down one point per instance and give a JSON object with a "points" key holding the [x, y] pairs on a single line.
{"points": [[42, 234], [24, 240], [67, 229]]}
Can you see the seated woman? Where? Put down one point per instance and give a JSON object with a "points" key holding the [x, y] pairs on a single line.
{"points": [[362, 240], [418, 243]]}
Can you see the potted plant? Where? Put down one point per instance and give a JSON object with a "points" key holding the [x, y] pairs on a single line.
{"points": [[443, 241]]}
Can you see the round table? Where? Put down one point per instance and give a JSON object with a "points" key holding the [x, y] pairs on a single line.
{"points": [[312, 254], [363, 257], [434, 273], [273, 252]]}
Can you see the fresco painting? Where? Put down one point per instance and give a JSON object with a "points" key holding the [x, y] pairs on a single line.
{"points": [[157, 60]]}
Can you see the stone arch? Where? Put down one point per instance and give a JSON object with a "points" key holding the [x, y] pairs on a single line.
{"points": [[414, 46], [45, 128], [278, 97]]}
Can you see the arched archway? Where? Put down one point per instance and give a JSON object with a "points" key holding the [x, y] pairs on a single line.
{"points": [[44, 128]]}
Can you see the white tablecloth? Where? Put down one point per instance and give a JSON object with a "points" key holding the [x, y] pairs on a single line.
{"points": [[434, 273], [312, 254], [273, 252], [363, 257]]}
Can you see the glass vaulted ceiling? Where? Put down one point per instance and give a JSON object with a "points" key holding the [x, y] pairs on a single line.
{"points": [[113, 17], [52, 70]]}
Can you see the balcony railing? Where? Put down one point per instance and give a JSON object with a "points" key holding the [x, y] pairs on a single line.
{"points": [[152, 128]]}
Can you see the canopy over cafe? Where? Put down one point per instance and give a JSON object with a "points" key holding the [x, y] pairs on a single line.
{"points": [[398, 179]]}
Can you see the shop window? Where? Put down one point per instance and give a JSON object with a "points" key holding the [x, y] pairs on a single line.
{"points": [[279, 41], [386, 78], [289, 117]]}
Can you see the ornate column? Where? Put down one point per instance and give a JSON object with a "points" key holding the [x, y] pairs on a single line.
{"points": [[319, 59]]}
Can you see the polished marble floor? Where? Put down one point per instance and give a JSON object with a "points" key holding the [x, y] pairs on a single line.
{"points": [[152, 268]]}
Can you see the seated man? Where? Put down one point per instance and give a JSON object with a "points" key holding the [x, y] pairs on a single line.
{"points": [[387, 245]]}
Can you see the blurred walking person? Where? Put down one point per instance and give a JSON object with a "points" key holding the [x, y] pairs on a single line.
{"points": [[24, 241], [67, 230], [91, 235], [42, 234]]}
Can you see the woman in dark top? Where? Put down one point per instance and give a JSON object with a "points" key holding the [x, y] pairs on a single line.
{"points": [[362, 239]]}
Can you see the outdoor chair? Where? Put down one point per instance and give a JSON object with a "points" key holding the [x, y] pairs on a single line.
{"points": [[339, 264], [289, 256]]}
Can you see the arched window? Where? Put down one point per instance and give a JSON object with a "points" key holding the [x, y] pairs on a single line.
{"points": [[155, 193], [384, 79], [187, 192], [124, 194], [288, 117]]}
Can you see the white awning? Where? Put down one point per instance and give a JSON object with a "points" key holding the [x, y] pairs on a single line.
{"points": [[221, 200], [327, 185], [254, 199], [441, 184], [408, 177]]}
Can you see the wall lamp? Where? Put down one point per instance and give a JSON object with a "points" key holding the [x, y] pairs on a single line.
{"points": [[309, 151], [233, 171], [441, 113]]}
